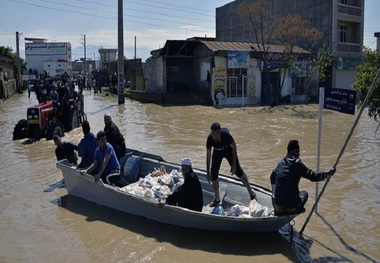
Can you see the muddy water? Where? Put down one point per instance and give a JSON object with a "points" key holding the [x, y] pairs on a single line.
{"points": [[33, 228]]}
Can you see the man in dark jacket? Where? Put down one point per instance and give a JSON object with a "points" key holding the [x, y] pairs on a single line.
{"points": [[65, 150], [189, 195], [114, 136], [286, 197]]}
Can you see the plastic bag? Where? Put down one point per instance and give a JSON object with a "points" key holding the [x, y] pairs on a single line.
{"points": [[258, 210], [218, 210]]}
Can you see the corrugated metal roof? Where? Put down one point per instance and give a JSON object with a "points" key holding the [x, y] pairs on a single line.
{"points": [[242, 46]]}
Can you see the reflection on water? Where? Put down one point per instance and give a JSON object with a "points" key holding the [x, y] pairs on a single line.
{"points": [[49, 226]]}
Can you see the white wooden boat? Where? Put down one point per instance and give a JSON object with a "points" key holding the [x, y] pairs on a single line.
{"points": [[233, 194]]}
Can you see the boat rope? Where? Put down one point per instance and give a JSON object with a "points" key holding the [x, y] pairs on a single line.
{"points": [[369, 94]]}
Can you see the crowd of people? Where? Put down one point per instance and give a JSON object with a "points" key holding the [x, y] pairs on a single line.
{"points": [[101, 154]]}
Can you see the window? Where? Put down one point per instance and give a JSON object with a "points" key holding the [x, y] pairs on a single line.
{"points": [[343, 2], [342, 33], [236, 82], [298, 86]]}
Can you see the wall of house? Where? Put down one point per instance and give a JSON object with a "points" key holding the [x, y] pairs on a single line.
{"points": [[345, 79], [231, 26], [180, 75], [154, 74], [8, 69]]}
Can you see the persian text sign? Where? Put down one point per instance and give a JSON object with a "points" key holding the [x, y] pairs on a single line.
{"points": [[56, 48], [238, 59], [342, 100]]}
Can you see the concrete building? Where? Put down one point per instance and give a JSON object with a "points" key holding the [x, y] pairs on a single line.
{"points": [[107, 58], [377, 35], [340, 21], [209, 72], [38, 51]]}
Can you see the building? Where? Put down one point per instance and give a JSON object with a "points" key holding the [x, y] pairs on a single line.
{"points": [[377, 35], [80, 68], [209, 72], [107, 58], [55, 68], [38, 51], [340, 21]]}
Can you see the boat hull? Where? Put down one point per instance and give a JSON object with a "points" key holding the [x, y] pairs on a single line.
{"points": [[85, 187]]}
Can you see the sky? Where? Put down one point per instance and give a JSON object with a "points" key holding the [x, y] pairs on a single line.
{"points": [[150, 22]]}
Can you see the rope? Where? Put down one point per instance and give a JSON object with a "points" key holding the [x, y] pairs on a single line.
{"points": [[369, 94]]}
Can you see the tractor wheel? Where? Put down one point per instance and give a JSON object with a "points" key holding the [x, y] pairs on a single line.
{"points": [[55, 128], [21, 130]]}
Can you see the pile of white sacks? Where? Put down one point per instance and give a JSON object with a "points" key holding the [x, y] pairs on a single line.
{"points": [[160, 185]]}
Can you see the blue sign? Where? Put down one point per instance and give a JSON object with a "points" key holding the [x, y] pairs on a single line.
{"points": [[238, 59], [342, 100]]}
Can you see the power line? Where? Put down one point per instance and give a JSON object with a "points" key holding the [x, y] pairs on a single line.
{"points": [[113, 18]]}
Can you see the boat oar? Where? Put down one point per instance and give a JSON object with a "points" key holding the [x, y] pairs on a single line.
{"points": [[369, 94]]}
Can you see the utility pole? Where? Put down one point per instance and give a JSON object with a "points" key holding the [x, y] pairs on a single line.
{"points": [[120, 47], [84, 61], [19, 90], [135, 47]]}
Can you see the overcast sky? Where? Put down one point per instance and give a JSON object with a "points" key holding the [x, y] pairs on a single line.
{"points": [[152, 22]]}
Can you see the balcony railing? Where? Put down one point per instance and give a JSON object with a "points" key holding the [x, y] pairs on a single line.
{"points": [[352, 48], [349, 10]]}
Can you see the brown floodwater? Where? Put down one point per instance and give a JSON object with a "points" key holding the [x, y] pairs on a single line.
{"points": [[38, 226]]}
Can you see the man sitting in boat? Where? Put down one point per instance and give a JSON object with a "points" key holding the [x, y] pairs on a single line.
{"points": [[286, 197], [87, 146], [105, 156], [189, 194]]}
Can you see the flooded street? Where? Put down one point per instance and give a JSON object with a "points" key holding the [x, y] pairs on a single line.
{"points": [[34, 228]]}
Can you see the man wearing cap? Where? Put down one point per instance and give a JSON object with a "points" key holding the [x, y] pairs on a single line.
{"points": [[224, 146], [65, 150], [189, 195], [87, 146], [286, 197]]}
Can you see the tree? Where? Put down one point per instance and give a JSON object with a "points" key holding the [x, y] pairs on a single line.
{"points": [[261, 20], [290, 31], [287, 30], [366, 73]]}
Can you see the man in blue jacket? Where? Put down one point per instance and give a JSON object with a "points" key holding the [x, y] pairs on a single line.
{"points": [[87, 146], [105, 158]]}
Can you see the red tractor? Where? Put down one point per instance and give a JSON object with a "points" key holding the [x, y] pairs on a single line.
{"points": [[44, 121]]}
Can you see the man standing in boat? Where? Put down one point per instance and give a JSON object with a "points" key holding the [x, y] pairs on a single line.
{"points": [[224, 146], [286, 197], [104, 157], [189, 195]]}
